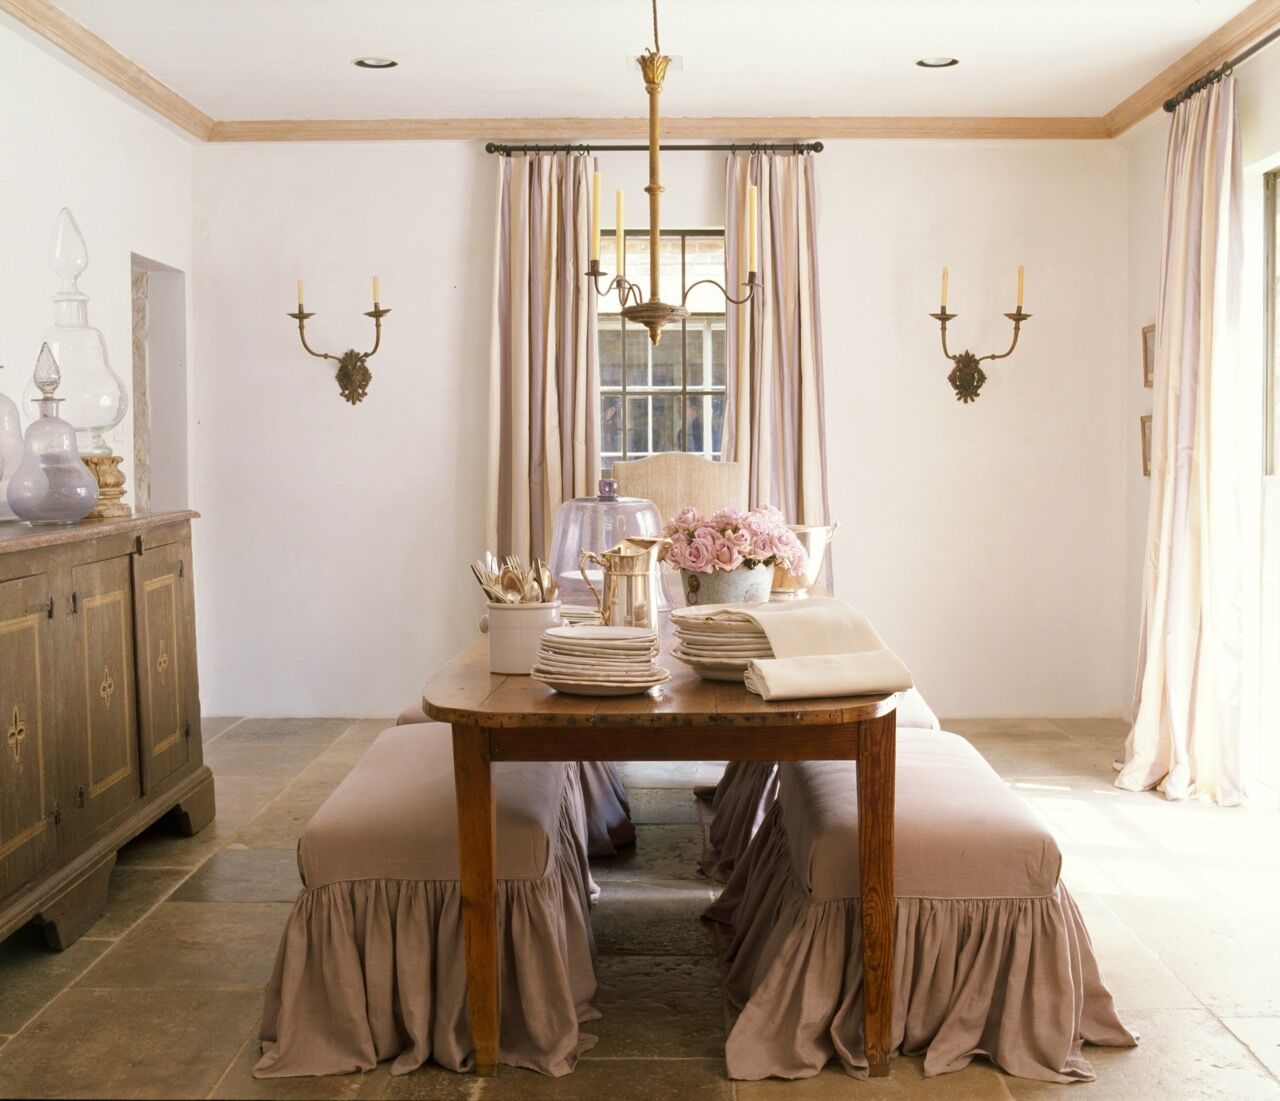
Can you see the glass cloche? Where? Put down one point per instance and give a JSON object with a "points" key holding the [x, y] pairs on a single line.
{"points": [[596, 524], [94, 400]]}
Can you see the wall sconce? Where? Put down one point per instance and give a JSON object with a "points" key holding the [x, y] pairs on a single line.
{"points": [[967, 375], [353, 374]]}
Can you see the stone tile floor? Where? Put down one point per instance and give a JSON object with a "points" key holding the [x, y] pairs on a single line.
{"points": [[162, 998]]}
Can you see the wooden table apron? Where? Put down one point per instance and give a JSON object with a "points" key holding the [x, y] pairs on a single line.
{"points": [[512, 718]]}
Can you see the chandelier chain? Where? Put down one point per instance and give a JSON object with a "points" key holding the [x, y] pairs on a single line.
{"points": [[656, 47]]}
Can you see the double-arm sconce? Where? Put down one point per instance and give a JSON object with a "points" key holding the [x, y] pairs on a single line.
{"points": [[966, 375], [354, 375]]}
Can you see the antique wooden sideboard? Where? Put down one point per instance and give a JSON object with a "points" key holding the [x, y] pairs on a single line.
{"points": [[99, 709]]}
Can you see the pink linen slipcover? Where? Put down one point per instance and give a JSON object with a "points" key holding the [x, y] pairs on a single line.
{"points": [[608, 813], [371, 964], [747, 790], [991, 955]]}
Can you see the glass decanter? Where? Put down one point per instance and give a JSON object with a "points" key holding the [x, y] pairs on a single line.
{"points": [[51, 485], [94, 398], [10, 450]]}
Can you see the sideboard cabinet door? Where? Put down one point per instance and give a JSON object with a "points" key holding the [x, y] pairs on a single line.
{"points": [[167, 689], [28, 835], [102, 714]]}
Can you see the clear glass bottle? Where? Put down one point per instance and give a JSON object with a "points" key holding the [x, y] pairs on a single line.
{"points": [[51, 485], [10, 450], [94, 398]]}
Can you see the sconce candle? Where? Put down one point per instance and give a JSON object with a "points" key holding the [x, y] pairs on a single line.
{"points": [[944, 288], [299, 294], [1019, 286], [752, 224], [377, 290]]}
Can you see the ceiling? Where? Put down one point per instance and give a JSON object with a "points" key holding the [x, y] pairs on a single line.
{"points": [[291, 59]]}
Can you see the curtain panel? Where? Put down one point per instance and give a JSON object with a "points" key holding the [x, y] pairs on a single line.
{"points": [[775, 416], [1187, 735], [544, 436]]}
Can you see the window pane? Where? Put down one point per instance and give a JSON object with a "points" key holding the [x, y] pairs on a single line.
{"points": [[695, 334], [610, 353], [666, 358], [717, 424], [611, 424], [666, 422], [718, 355], [637, 356], [637, 426], [704, 259]]}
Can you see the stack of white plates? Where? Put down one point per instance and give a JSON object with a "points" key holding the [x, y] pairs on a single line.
{"points": [[579, 613], [718, 641], [589, 660]]}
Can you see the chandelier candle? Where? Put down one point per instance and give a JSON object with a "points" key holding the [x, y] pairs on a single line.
{"points": [[595, 216]]}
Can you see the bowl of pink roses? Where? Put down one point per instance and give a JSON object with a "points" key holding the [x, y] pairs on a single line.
{"points": [[728, 557]]}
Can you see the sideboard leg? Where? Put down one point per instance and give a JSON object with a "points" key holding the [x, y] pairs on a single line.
{"points": [[66, 918], [198, 809]]}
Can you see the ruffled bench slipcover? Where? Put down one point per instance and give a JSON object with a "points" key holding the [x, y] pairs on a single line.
{"points": [[371, 964], [747, 790], [991, 955], [604, 798]]}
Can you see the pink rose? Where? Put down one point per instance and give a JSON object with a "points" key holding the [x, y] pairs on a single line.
{"points": [[727, 518], [726, 556], [698, 556], [686, 518], [676, 554], [707, 534], [739, 539]]}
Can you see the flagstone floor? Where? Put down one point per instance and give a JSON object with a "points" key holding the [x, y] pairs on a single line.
{"points": [[162, 997]]}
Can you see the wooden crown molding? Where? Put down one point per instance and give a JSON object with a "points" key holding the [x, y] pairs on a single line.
{"points": [[1238, 33], [95, 53], [53, 24], [589, 129]]}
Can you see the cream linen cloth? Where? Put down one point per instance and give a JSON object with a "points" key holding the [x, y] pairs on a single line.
{"points": [[822, 647]]}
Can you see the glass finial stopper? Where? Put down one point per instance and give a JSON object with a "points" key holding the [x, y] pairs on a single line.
{"points": [[48, 376], [68, 254]]}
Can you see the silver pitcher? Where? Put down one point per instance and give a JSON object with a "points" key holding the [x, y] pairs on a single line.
{"points": [[815, 538], [632, 586]]}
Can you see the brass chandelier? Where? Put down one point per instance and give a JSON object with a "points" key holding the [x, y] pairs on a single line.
{"points": [[654, 313]]}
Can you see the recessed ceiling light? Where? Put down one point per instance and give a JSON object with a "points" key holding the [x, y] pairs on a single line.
{"points": [[937, 62], [374, 63]]}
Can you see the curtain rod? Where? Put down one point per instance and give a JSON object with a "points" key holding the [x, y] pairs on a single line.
{"points": [[1214, 75], [744, 147]]}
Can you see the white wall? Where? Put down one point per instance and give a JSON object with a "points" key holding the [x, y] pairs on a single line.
{"points": [[68, 142], [986, 540]]}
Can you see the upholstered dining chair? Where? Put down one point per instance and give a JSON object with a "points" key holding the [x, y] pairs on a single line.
{"points": [[675, 479]]}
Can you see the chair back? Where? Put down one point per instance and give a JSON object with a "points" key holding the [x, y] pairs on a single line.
{"points": [[674, 480]]}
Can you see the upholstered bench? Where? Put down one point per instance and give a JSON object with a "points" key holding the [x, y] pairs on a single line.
{"points": [[747, 790], [991, 955], [605, 806], [371, 965]]}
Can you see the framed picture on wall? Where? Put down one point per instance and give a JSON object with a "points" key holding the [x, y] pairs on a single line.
{"points": [[1146, 446], [1148, 356]]}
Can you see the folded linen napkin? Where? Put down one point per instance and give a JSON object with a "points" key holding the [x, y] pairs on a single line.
{"points": [[819, 625], [870, 672]]}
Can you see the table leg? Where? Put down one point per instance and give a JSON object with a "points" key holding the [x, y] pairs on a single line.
{"points": [[876, 759], [473, 781]]}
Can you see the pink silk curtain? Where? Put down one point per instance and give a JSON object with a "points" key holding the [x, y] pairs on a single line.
{"points": [[544, 436], [774, 415]]}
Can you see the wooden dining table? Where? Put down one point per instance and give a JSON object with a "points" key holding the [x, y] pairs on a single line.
{"points": [[514, 718]]}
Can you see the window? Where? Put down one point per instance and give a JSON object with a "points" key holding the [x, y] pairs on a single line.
{"points": [[1272, 183], [669, 396]]}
